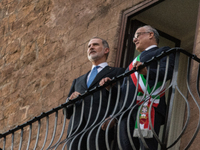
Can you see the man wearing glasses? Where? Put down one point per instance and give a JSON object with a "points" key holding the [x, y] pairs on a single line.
{"points": [[146, 41]]}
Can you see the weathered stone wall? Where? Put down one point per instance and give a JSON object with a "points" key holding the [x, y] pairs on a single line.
{"points": [[43, 47]]}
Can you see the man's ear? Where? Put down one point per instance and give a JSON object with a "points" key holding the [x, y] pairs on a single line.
{"points": [[107, 50], [151, 35]]}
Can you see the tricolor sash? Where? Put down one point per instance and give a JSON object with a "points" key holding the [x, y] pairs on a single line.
{"points": [[150, 96]]}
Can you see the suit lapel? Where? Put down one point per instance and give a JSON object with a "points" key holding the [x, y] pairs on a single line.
{"points": [[84, 81], [101, 74]]}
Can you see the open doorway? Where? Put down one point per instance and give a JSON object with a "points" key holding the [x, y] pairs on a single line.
{"points": [[177, 20]]}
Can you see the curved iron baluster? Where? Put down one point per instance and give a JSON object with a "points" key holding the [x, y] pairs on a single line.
{"points": [[4, 143], [128, 127], [99, 109], [63, 128], [106, 133], [174, 83], [122, 113], [46, 134], [72, 119], [104, 117], [117, 99], [198, 126], [120, 118], [73, 134], [39, 125], [160, 93], [119, 121], [118, 132], [29, 139], [12, 144], [132, 109], [113, 113], [150, 123], [65, 144], [54, 131], [187, 120], [21, 138], [87, 123], [81, 119]]}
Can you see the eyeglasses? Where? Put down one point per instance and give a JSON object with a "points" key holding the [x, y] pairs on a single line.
{"points": [[138, 34]]}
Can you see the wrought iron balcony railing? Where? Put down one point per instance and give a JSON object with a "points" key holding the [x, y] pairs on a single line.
{"points": [[51, 131]]}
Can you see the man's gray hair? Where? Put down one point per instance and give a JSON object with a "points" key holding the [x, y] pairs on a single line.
{"points": [[151, 29], [104, 42]]}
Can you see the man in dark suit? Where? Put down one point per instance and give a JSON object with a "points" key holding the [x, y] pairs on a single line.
{"points": [[84, 113], [146, 40]]}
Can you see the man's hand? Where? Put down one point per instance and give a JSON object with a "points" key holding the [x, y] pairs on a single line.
{"points": [[103, 81], [142, 71], [74, 95], [105, 124]]}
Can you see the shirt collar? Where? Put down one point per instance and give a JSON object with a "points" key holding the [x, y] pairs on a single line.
{"points": [[102, 65], [152, 46]]}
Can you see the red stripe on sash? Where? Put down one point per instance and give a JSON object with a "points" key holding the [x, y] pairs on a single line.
{"points": [[134, 79]]}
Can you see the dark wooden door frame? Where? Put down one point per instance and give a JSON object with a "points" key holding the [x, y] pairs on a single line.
{"points": [[125, 18]]}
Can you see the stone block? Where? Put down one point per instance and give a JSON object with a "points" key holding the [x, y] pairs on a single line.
{"points": [[5, 90], [26, 10], [11, 110], [12, 7], [17, 25]]}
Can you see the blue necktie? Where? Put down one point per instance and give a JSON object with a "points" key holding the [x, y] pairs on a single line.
{"points": [[92, 75]]}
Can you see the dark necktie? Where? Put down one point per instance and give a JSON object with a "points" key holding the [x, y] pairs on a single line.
{"points": [[92, 75]]}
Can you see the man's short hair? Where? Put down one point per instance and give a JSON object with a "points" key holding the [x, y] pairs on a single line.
{"points": [[104, 42], [151, 29]]}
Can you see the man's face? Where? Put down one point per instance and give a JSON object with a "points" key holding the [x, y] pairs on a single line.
{"points": [[142, 39], [96, 50]]}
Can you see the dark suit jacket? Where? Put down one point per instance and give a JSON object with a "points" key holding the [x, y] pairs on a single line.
{"points": [[80, 86], [145, 56]]}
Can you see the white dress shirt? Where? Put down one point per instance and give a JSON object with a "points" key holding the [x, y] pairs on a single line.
{"points": [[152, 46]]}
